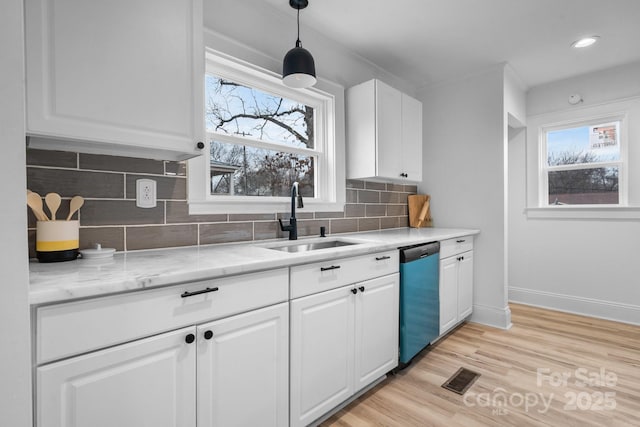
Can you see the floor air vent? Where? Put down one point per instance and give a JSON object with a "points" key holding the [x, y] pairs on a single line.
{"points": [[461, 381]]}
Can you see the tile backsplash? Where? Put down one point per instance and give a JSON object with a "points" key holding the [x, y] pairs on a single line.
{"points": [[110, 216]]}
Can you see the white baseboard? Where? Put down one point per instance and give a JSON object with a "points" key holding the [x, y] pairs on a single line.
{"points": [[619, 312], [491, 316]]}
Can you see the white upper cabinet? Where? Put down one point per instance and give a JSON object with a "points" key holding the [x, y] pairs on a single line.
{"points": [[384, 133], [119, 77]]}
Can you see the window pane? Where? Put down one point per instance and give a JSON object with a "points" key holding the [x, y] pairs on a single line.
{"points": [[238, 110], [584, 186], [585, 144], [249, 171]]}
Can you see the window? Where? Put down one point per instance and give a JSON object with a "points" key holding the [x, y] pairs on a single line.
{"points": [[262, 136], [582, 164]]}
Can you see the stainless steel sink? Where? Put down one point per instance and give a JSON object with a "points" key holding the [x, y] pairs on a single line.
{"points": [[313, 246]]}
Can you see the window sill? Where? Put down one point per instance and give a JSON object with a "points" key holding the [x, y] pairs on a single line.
{"points": [[584, 212]]}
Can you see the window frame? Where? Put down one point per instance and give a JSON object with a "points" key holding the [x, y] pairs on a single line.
{"points": [[544, 168], [326, 98]]}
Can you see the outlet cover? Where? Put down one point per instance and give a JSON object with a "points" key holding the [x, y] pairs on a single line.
{"points": [[145, 193]]}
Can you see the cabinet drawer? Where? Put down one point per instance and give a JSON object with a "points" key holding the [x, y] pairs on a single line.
{"points": [[321, 276], [66, 329], [455, 246]]}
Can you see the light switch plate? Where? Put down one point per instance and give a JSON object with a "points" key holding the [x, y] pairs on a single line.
{"points": [[145, 193]]}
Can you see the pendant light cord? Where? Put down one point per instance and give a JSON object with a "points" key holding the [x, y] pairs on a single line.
{"points": [[298, 43]]}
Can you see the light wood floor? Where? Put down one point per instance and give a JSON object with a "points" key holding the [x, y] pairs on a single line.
{"points": [[508, 362]]}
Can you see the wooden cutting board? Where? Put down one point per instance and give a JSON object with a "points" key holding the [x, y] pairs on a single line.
{"points": [[417, 207]]}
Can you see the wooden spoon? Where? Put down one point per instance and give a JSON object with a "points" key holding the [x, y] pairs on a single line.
{"points": [[53, 203], [34, 201], [75, 204]]}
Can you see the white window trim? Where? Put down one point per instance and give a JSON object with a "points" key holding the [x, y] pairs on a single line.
{"points": [[328, 101], [611, 111]]}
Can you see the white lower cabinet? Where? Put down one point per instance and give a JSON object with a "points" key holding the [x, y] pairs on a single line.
{"points": [[243, 370], [234, 371], [149, 382], [456, 283], [341, 341]]}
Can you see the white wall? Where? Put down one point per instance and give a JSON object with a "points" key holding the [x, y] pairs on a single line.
{"points": [[257, 33], [463, 171], [15, 359], [586, 266]]}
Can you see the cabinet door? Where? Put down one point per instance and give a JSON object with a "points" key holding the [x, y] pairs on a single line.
{"points": [[146, 383], [389, 130], [376, 323], [411, 138], [448, 293], [119, 75], [243, 369], [465, 285], [322, 351]]}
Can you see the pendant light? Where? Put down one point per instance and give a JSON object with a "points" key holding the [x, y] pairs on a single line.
{"points": [[298, 67]]}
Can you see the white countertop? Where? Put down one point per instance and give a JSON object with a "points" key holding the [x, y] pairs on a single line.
{"points": [[58, 282]]}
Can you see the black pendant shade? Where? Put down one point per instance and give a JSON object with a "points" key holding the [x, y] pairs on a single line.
{"points": [[298, 67]]}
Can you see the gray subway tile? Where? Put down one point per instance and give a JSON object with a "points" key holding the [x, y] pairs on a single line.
{"points": [[389, 222], [299, 215], [344, 225], [31, 243], [69, 183], [370, 185], [121, 164], [178, 212], [375, 210], [226, 232], [397, 210], [311, 227], [395, 187], [321, 215], [167, 187], [107, 237], [355, 183], [367, 196], [352, 196], [264, 230], [175, 168], [60, 159], [354, 210], [119, 212], [251, 217], [389, 197], [367, 224], [411, 188], [161, 236]]}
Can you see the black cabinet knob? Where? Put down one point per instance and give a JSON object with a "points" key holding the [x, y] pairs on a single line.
{"points": [[354, 291], [200, 145], [208, 335], [361, 288], [189, 338]]}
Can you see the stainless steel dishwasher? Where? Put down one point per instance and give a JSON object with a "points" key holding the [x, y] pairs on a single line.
{"points": [[419, 298]]}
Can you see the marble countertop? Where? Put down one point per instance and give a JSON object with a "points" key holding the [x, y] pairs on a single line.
{"points": [[127, 271]]}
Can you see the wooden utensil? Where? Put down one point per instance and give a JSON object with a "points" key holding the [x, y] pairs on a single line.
{"points": [[53, 203], [423, 213], [34, 201], [75, 204]]}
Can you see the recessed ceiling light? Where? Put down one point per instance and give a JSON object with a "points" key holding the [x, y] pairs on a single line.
{"points": [[584, 42]]}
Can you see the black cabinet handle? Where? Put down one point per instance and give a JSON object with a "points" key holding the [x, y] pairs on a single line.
{"points": [[461, 258], [380, 258], [404, 175], [186, 294], [189, 338], [354, 291], [361, 288], [460, 241], [333, 267], [200, 145], [208, 335]]}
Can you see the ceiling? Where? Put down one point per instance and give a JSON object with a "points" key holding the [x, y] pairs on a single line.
{"points": [[429, 41]]}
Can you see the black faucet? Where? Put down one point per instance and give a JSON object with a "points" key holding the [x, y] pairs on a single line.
{"points": [[292, 228]]}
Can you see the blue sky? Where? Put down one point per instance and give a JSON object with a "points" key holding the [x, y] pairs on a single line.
{"points": [[576, 140]]}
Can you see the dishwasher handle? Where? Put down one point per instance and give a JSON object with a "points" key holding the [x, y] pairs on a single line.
{"points": [[416, 252]]}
